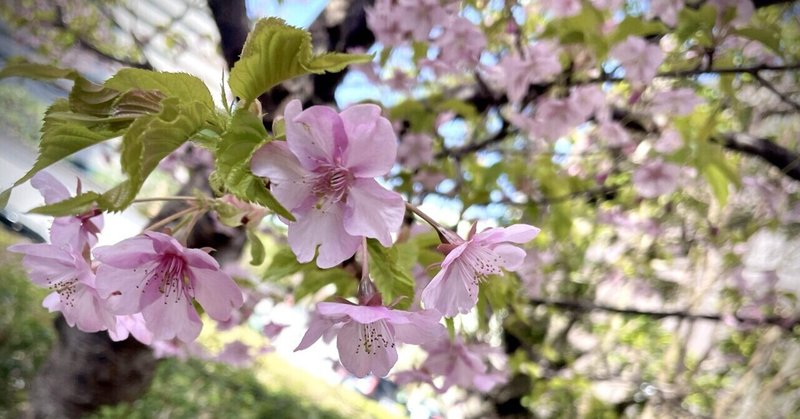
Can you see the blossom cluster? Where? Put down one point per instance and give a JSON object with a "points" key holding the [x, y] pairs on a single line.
{"points": [[144, 286]]}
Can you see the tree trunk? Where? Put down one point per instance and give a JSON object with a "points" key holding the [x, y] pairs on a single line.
{"points": [[86, 370]]}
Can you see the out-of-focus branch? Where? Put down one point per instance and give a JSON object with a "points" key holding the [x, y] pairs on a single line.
{"points": [[587, 306], [778, 156]]}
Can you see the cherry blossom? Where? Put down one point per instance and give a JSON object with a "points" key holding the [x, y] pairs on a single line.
{"points": [[462, 365], [415, 150], [79, 230], [367, 338], [455, 288], [131, 325], [666, 10], [420, 16], [669, 142], [64, 271], [639, 58], [675, 102], [562, 8], [656, 178], [540, 63], [461, 44], [157, 276], [382, 20], [324, 174]]}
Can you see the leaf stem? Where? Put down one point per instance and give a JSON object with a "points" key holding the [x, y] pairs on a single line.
{"points": [[166, 220], [166, 198]]}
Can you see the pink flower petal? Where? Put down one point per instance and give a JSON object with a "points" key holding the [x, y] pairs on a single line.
{"points": [[288, 179], [453, 290], [424, 328], [173, 318], [216, 292], [512, 256], [361, 358], [373, 211], [315, 136], [51, 189], [360, 314], [372, 143], [324, 228], [127, 254]]}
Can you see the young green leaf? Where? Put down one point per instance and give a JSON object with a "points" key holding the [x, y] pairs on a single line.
{"points": [[275, 52], [390, 268], [245, 134], [257, 251]]}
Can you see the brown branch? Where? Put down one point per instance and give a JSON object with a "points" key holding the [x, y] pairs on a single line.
{"points": [[785, 160], [586, 306]]}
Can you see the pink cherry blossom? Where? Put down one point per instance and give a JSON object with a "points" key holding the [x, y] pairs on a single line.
{"points": [[64, 271], [461, 44], [455, 288], [656, 178], [272, 329], [614, 134], [669, 142], [462, 365], [156, 275], [324, 174], [367, 339], [415, 150], [675, 102], [666, 10], [131, 325], [382, 20], [420, 16], [639, 58], [236, 354], [607, 4], [79, 230], [539, 64], [562, 8]]}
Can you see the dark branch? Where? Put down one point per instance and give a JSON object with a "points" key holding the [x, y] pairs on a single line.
{"points": [[782, 158], [585, 307]]}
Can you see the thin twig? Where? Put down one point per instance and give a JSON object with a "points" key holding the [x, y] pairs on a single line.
{"points": [[784, 97], [171, 218]]}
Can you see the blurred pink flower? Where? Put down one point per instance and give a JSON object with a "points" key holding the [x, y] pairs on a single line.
{"points": [[366, 341], [656, 178], [455, 288], [461, 44], [669, 142], [415, 150], [539, 64], [666, 10], [80, 230], [154, 274], [324, 174], [461, 365], [236, 353], [639, 58], [562, 8], [675, 102], [382, 20]]}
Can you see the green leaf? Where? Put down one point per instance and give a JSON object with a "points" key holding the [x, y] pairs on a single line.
{"points": [[257, 251], [4, 197], [314, 280], [180, 85], [769, 37], [61, 139], [275, 52], [390, 268], [636, 26], [333, 62], [235, 149], [75, 205], [148, 140], [37, 71], [284, 263], [718, 181]]}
